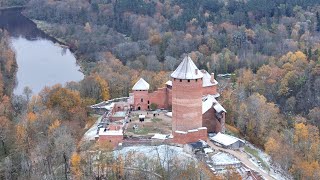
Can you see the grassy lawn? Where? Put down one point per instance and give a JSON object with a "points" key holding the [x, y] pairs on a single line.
{"points": [[255, 153], [140, 131], [156, 120]]}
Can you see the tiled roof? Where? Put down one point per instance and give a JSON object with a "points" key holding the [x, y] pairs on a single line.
{"points": [[187, 70], [141, 85]]}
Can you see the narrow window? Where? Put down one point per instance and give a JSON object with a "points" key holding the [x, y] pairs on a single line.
{"points": [[141, 99], [180, 80], [148, 102], [188, 80], [196, 80]]}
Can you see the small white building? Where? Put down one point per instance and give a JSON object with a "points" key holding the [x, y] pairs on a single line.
{"points": [[223, 160], [228, 141]]}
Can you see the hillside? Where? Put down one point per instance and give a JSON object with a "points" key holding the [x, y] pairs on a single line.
{"points": [[272, 48]]}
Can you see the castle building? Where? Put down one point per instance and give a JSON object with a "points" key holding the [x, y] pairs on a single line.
{"points": [[192, 95]]}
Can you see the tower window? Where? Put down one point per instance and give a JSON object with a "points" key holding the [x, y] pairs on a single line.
{"points": [[196, 80], [180, 80], [188, 80], [148, 102], [141, 99]]}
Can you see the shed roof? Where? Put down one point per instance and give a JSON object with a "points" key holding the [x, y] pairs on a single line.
{"points": [[222, 158], [199, 144], [187, 70], [225, 139], [142, 116], [141, 85], [102, 132]]}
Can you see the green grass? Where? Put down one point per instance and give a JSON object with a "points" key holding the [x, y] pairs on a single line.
{"points": [[156, 120], [140, 131], [255, 153]]}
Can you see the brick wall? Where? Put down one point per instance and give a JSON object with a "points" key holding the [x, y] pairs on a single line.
{"points": [[209, 90], [114, 140], [190, 136], [138, 95], [159, 97], [120, 106], [210, 121], [112, 118], [186, 104], [169, 92]]}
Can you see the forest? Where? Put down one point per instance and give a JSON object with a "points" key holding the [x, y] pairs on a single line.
{"points": [[272, 48]]}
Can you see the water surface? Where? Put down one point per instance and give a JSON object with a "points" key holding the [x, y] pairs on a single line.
{"points": [[41, 61]]}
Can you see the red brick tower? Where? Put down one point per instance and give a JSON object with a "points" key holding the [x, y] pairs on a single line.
{"points": [[140, 95], [187, 103]]}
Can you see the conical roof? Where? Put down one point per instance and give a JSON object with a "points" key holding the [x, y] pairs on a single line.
{"points": [[187, 70], [141, 85]]}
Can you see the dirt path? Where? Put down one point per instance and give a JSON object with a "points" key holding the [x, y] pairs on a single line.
{"points": [[243, 157]]}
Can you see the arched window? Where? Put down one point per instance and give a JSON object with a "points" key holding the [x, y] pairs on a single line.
{"points": [[141, 99]]}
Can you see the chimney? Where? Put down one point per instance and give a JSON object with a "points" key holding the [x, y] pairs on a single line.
{"points": [[212, 78], [196, 71]]}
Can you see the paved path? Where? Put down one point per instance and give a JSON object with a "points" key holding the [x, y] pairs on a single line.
{"points": [[243, 157]]}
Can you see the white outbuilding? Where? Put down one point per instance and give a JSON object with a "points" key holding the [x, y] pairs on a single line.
{"points": [[227, 141]]}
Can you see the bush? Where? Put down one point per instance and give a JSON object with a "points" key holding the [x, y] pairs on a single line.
{"points": [[153, 106]]}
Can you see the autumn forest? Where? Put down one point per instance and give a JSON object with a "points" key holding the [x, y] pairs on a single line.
{"points": [[271, 49]]}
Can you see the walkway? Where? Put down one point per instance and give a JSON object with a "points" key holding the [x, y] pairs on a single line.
{"points": [[243, 157]]}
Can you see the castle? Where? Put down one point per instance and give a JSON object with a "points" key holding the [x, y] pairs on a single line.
{"points": [[191, 94]]}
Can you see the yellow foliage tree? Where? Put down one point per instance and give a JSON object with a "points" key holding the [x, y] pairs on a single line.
{"points": [[31, 117], [104, 87], [272, 146], [75, 166], [54, 126], [301, 133], [64, 99]]}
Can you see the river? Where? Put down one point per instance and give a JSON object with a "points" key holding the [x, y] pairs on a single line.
{"points": [[41, 61]]}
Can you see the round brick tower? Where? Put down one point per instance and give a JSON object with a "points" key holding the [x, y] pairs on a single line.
{"points": [[186, 97]]}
